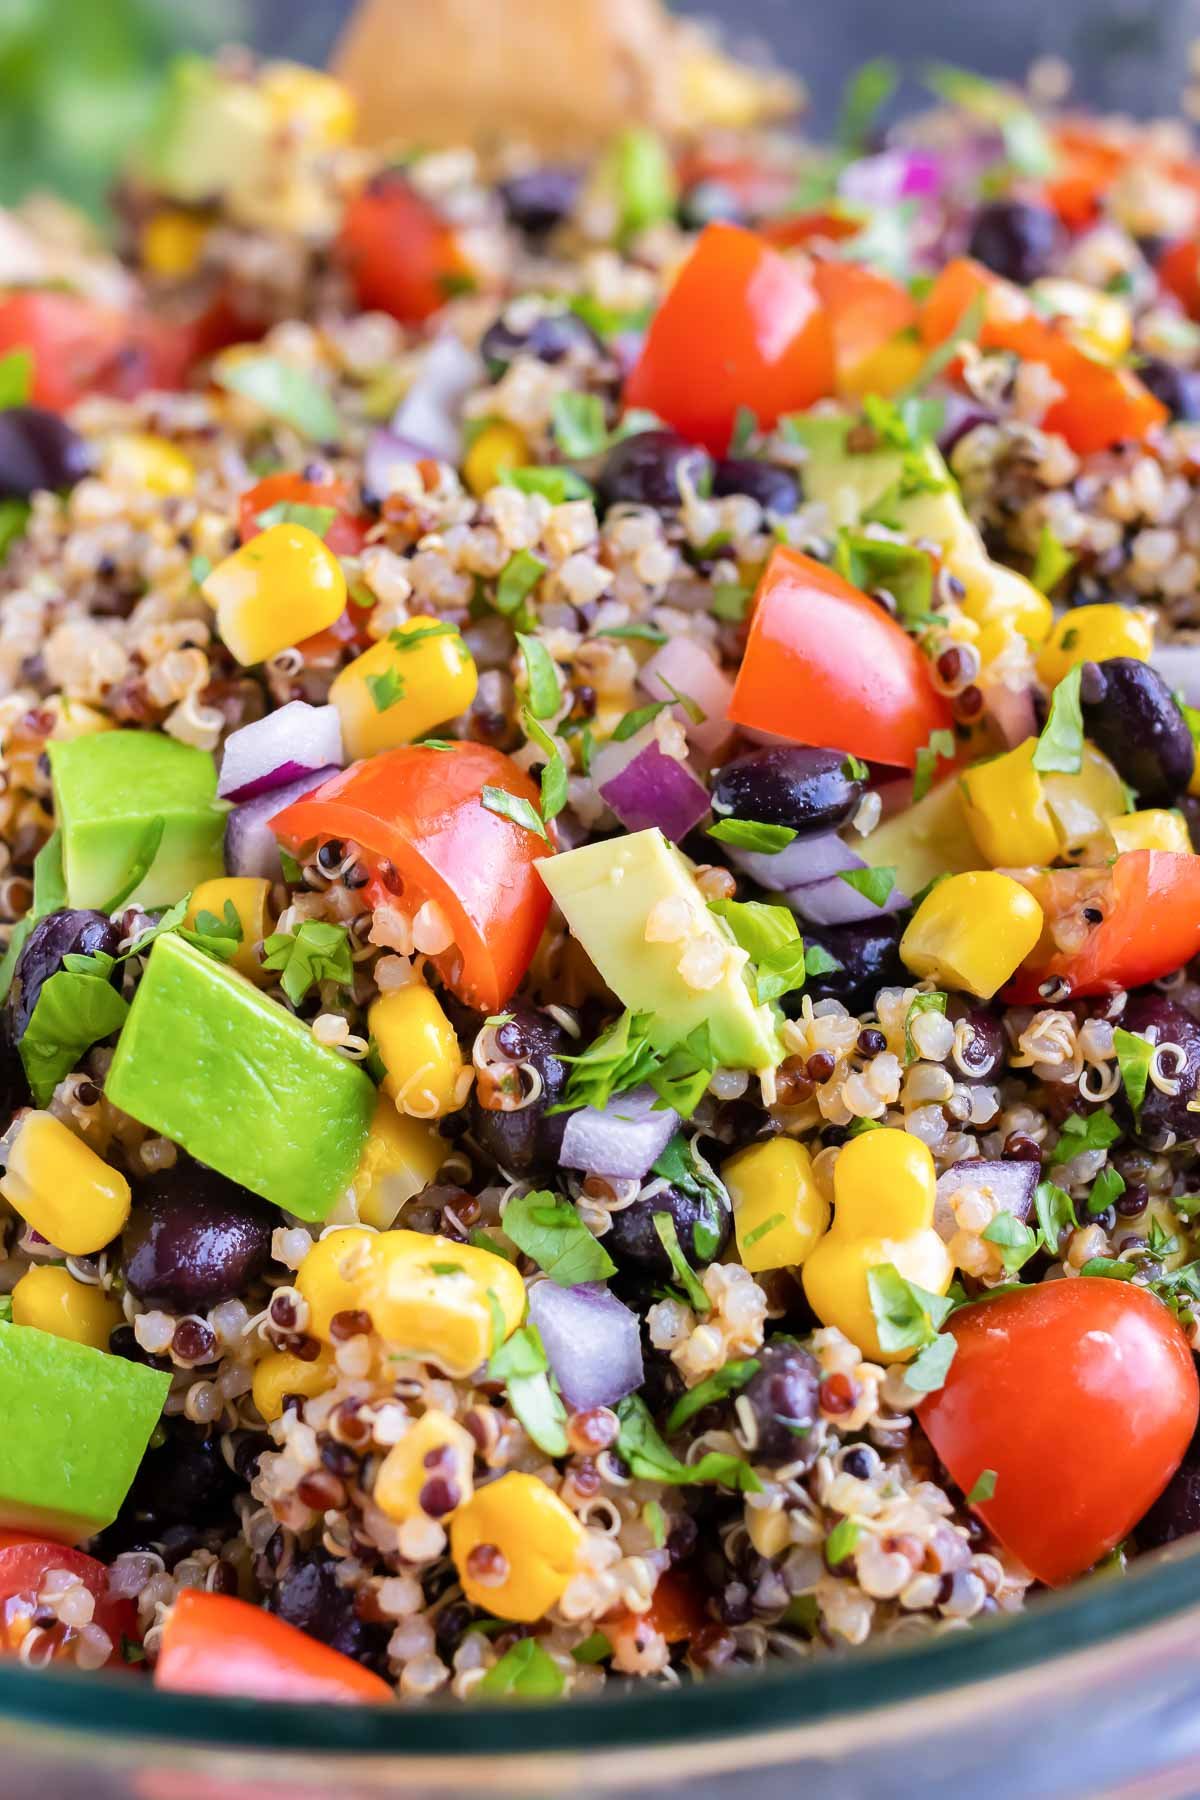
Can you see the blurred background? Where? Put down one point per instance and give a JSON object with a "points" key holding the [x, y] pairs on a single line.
{"points": [[78, 77]]}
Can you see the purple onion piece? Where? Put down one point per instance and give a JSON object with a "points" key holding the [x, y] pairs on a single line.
{"points": [[593, 1342], [806, 860], [430, 412], [835, 902], [270, 752], [692, 670], [1010, 1184], [652, 788], [386, 451], [962, 414], [623, 1139], [251, 847], [1011, 711]]}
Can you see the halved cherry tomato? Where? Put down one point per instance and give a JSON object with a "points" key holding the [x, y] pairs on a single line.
{"points": [[420, 812], [24, 1560], [865, 311], [825, 665], [214, 1644], [676, 1608], [741, 325], [81, 347], [1080, 1397], [1179, 272], [348, 529], [1150, 900], [1099, 405], [403, 257]]}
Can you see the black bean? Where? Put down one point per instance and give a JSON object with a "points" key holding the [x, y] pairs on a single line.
{"points": [[540, 199], [702, 1226], [310, 1596], [551, 337], [983, 1045], [193, 1238], [38, 449], [72, 932], [184, 1481], [1015, 238], [869, 959], [1176, 1512], [644, 470], [776, 490], [808, 790], [1129, 714], [527, 1141], [784, 1397], [1154, 1015], [1176, 387]]}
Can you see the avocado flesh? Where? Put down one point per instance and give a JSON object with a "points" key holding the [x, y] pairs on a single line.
{"points": [[606, 892], [76, 1422], [108, 791], [212, 136], [922, 842], [208, 1061]]}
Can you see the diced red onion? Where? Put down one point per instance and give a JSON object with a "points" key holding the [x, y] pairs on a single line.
{"points": [[623, 1139], [280, 748], [1011, 710], [692, 670], [835, 902], [386, 452], [1011, 1185], [593, 1343], [962, 414], [799, 864], [430, 412], [251, 847], [1179, 666], [645, 787], [892, 175]]}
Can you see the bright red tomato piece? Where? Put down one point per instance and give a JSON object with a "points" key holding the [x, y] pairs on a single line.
{"points": [[24, 1560], [865, 311], [347, 530], [419, 814], [1080, 1397], [824, 665], [1099, 405], [81, 347], [741, 326], [1150, 900], [1179, 273], [214, 1644], [402, 256]]}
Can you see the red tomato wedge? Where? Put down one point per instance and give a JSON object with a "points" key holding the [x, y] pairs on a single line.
{"points": [[347, 530], [825, 665], [1151, 925], [741, 325], [865, 310], [214, 1644], [1179, 272], [421, 811], [402, 256], [81, 347], [797, 230], [1080, 1397], [1086, 163], [1099, 405], [24, 1560]]}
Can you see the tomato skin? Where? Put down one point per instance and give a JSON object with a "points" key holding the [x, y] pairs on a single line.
{"points": [[24, 1559], [741, 325], [1178, 270], [403, 258], [797, 230], [1151, 927], [82, 347], [422, 811], [1081, 1396], [865, 310], [826, 666], [1099, 406], [348, 530], [214, 1644], [1086, 165]]}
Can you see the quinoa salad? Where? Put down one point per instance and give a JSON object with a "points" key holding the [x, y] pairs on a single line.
{"points": [[600, 1028]]}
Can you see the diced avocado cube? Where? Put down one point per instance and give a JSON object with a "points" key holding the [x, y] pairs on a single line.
{"points": [[109, 791], [212, 134], [922, 842], [76, 1422], [208, 1061], [606, 892]]}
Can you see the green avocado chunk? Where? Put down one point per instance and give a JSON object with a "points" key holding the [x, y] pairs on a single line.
{"points": [[76, 1422], [110, 791], [606, 892], [240, 1082], [212, 134]]}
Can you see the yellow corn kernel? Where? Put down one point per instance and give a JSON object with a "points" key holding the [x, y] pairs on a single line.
{"points": [[442, 1302], [435, 1446], [884, 1185], [1083, 805], [400, 1157], [1092, 634], [779, 1212], [280, 1374], [972, 932], [498, 446], [417, 677], [420, 1050], [282, 586], [1099, 323], [536, 1535], [309, 102], [172, 243], [1158, 828], [1005, 807], [62, 1188], [50, 1299], [768, 1529], [890, 366], [332, 1275], [138, 459], [250, 898]]}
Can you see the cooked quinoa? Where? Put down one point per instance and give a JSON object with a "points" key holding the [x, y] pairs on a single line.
{"points": [[749, 1473]]}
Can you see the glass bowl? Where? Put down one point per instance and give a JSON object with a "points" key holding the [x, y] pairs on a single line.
{"points": [[1092, 1692]]}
